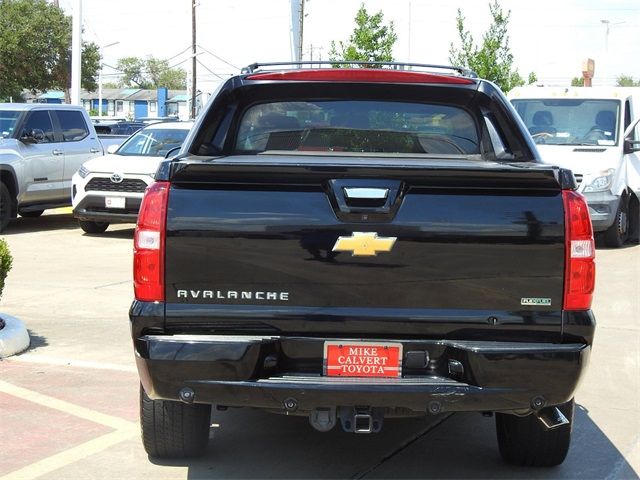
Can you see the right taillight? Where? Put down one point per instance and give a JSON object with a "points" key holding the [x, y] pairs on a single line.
{"points": [[580, 268], [148, 244]]}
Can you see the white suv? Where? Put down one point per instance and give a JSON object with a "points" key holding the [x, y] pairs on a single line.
{"points": [[109, 189]]}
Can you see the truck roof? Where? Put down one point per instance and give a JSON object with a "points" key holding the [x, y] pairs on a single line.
{"points": [[33, 106], [574, 92]]}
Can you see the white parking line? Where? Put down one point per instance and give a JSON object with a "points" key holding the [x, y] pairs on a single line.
{"points": [[123, 430], [66, 407], [35, 358], [72, 455]]}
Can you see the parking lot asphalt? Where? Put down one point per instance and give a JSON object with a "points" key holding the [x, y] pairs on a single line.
{"points": [[69, 405]]}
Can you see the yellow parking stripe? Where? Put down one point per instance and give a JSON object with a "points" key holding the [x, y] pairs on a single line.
{"points": [[63, 210]]}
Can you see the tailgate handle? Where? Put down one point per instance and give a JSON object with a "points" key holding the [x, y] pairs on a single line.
{"points": [[365, 199], [360, 193]]}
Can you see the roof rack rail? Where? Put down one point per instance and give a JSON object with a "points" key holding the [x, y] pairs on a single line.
{"points": [[465, 72]]}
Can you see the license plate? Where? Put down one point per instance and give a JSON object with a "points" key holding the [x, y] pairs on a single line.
{"points": [[114, 202], [362, 359]]}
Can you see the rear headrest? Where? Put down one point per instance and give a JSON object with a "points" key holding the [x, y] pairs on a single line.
{"points": [[606, 120], [542, 118], [278, 122]]}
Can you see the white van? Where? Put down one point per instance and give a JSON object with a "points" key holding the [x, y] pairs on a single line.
{"points": [[595, 132]]}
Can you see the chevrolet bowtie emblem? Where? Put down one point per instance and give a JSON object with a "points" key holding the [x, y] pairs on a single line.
{"points": [[364, 244]]}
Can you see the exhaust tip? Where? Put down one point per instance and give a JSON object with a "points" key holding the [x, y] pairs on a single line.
{"points": [[552, 418]]}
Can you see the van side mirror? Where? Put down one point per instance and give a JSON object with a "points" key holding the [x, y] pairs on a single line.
{"points": [[631, 146], [32, 136]]}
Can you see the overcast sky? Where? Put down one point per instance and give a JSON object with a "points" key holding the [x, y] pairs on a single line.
{"points": [[548, 37]]}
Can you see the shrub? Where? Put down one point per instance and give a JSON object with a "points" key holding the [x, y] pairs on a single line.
{"points": [[5, 263]]}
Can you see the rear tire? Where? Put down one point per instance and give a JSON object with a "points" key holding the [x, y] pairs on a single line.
{"points": [[6, 206], [618, 233], [524, 441], [93, 227], [634, 219], [32, 214], [173, 429]]}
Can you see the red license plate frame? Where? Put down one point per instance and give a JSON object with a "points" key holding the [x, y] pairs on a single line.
{"points": [[359, 359]]}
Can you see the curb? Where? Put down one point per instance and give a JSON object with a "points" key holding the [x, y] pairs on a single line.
{"points": [[14, 337]]}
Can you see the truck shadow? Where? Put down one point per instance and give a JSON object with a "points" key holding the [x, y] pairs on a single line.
{"points": [[253, 444], [45, 223], [115, 231]]}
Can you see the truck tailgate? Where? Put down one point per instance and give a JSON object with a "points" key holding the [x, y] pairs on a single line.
{"points": [[253, 246]]}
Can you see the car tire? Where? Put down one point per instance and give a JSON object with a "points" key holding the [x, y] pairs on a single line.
{"points": [[173, 429], [524, 441], [93, 227], [6, 206], [31, 214], [618, 233]]}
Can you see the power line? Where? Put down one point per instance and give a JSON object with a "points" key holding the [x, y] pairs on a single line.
{"points": [[208, 69], [178, 54], [217, 57]]}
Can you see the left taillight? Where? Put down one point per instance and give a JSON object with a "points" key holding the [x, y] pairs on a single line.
{"points": [[148, 244], [580, 268]]}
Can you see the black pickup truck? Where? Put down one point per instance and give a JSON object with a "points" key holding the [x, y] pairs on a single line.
{"points": [[350, 244]]}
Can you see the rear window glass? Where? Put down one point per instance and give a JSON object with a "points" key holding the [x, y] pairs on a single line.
{"points": [[73, 125], [357, 126]]}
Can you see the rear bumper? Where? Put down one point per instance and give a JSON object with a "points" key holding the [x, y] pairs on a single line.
{"points": [[263, 372], [602, 209]]}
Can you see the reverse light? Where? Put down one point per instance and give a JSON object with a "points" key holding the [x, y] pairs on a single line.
{"points": [[580, 268], [602, 182], [148, 244]]}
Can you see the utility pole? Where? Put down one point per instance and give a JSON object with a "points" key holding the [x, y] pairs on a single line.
{"points": [[608, 25], [193, 59], [301, 30], [409, 35], [102, 47], [76, 52]]}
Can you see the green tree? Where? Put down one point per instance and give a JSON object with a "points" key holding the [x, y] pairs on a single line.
{"points": [[492, 59], [35, 49], [150, 73], [90, 66], [5, 263], [627, 81], [577, 82], [370, 41]]}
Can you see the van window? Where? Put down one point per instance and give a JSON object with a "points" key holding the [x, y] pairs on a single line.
{"points": [[571, 121], [627, 115], [73, 125]]}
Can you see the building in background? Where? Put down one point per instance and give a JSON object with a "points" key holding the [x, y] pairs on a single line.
{"points": [[129, 103], [133, 103]]}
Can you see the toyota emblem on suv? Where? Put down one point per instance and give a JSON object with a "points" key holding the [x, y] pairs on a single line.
{"points": [[116, 178]]}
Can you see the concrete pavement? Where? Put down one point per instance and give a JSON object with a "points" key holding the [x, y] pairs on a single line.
{"points": [[70, 403]]}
